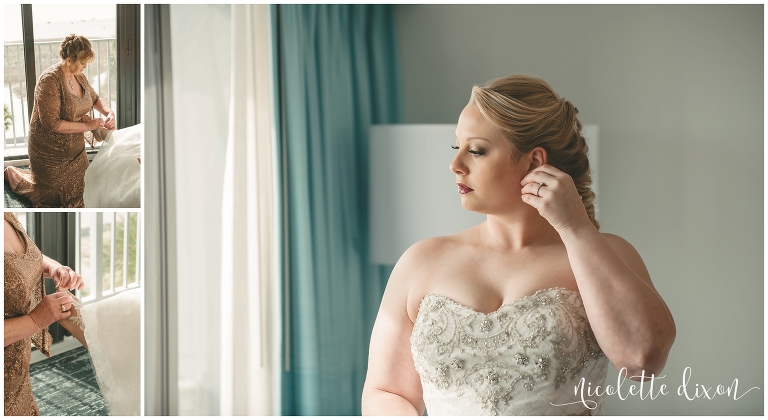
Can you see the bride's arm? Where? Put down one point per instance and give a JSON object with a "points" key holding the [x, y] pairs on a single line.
{"points": [[629, 318], [392, 386], [75, 330]]}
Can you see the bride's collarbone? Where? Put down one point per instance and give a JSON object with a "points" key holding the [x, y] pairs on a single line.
{"points": [[485, 278], [498, 268]]}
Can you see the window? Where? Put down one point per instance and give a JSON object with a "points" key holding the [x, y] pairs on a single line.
{"points": [[104, 248], [28, 224], [15, 116], [28, 50], [107, 249]]}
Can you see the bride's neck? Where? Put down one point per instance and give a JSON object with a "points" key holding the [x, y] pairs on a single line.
{"points": [[518, 232]]}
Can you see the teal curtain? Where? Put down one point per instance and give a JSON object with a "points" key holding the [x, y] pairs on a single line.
{"points": [[338, 73]]}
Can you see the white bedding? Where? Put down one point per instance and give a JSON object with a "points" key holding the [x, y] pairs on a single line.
{"points": [[113, 179]]}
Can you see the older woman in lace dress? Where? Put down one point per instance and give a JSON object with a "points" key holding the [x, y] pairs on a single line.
{"points": [[28, 311], [58, 129]]}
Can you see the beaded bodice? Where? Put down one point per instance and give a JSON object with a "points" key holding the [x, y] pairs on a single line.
{"points": [[523, 359]]}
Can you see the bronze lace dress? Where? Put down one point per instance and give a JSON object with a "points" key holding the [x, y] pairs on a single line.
{"points": [[24, 289], [57, 161]]}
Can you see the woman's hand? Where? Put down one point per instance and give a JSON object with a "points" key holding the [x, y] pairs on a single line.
{"points": [[101, 106], [553, 193], [66, 278], [93, 124], [110, 123], [52, 308]]}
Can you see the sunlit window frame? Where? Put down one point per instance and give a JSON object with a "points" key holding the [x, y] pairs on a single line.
{"points": [[97, 291]]}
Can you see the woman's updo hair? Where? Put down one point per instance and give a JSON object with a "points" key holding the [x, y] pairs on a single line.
{"points": [[76, 48], [530, 114]]}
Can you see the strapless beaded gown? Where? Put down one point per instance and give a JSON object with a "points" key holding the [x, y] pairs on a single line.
{"points": [[525, 358]]}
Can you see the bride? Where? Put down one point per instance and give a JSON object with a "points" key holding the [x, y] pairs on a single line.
{"points": [[507, 317]]}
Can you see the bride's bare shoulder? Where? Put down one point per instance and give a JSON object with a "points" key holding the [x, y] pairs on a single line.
{"points": [[412, 273], [418, 264], [628, 254], [620, 245], [424, 258], [430, 251]]}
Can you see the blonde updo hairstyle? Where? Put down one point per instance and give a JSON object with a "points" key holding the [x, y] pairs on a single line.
{"points": [[77, 48], [530, 114]]}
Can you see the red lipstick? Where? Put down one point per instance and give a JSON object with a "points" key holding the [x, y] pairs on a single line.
{"points": [[463, 189]]}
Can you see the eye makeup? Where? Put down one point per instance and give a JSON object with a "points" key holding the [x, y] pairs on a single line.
{"points": [[478, 152]]}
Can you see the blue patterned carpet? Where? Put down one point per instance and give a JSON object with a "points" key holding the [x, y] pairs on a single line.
{"points": [[65, 385]]}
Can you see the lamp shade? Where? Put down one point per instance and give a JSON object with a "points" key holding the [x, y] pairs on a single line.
{"points": [[413, 194]]}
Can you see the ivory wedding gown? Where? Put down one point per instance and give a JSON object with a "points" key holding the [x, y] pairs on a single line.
{"points": [[113, 334], [112, 330], [523, 359], [113, 179]]}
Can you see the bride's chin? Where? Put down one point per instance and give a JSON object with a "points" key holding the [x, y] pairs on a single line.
{"points": [[472, 205], [486, 208]]}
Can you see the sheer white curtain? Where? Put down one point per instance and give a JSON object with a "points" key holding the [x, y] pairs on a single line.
{"points": [[200, 58], [248, 245], [223, 211]]}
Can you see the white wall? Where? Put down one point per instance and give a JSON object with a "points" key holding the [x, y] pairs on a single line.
{"points": [[678, 94]]}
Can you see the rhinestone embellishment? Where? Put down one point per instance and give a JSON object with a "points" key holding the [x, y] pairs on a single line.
{"points": [[542, 339], [521, 359], [485, 325]]}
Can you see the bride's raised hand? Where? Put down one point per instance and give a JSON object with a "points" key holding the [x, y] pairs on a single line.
{"points": [[553, 193]]}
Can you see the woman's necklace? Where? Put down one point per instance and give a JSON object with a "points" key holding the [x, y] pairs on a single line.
{"points": [[71, 85], [69, 80]]}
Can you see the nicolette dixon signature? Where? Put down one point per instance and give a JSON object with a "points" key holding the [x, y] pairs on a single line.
{"points": [[647, 389]]}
